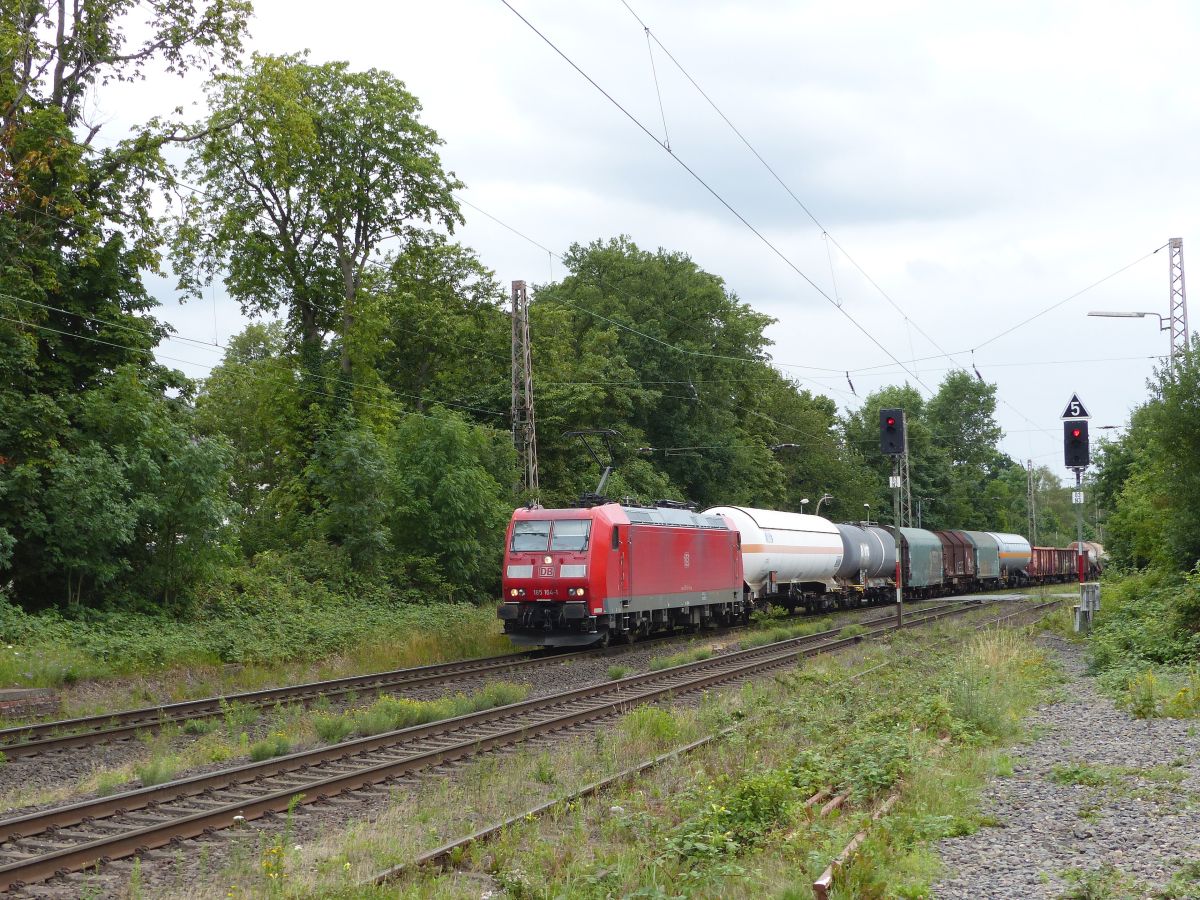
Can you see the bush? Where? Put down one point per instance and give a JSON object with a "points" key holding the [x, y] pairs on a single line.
{"points": [[332, 729], [1146, 640], [275, 745]]}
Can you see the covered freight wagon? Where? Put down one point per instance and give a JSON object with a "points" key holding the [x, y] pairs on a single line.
{"points": [[921, 561], [987, 555]]}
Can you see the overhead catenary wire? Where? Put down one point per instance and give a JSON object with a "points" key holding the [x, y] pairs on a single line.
{"points": [[775, 175], [716, 195], [178, 183], [829, 238]]}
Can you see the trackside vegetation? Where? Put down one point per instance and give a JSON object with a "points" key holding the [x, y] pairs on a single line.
{"points": [[1146, 645], [1145, 648], [728, 820]]}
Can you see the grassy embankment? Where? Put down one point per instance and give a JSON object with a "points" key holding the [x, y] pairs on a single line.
{"points": [[278, 629], [1145, 647], [725, 821]]}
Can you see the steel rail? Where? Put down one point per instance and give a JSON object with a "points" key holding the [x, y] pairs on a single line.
{"points": [[439, 855], [466, 736], [46, 737]]}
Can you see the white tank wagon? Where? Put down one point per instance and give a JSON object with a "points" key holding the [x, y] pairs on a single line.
{"points": [[1015, 553], [788, 557]]}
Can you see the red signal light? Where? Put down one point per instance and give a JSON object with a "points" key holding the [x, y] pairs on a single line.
{"points": [[891, 421], [1076, 432]]}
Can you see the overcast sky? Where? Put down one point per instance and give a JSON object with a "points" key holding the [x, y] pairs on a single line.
{"points": [[981, 162]]}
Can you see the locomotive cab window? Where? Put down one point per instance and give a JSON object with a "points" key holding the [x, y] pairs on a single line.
{"points": [[571, 534], [531, 535]]}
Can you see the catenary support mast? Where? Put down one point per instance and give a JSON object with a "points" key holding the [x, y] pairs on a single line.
{"points": [[523, 423], [1179, 319]]}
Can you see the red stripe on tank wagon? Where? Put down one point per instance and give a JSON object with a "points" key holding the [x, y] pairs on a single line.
{"points": [[781, 548]]}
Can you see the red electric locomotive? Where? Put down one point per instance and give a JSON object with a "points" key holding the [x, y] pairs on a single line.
{"points": [[574, 577]]}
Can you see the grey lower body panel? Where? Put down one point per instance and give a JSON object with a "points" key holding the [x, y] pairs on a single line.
{"points": [[648, 602]]}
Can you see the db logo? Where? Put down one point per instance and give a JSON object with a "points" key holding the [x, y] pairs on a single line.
{"points": [[687, 560], [545, 571]]}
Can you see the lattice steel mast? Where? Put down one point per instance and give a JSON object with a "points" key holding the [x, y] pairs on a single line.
{"points": [[1180, 336], [523, 423]]}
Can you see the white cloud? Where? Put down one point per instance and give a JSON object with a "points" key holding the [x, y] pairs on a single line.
{"points": [[980, 161]]}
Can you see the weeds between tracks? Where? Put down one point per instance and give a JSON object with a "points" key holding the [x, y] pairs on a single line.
{"points": [[725, 821]]}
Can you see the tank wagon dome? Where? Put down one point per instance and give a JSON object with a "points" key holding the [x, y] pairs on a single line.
{"points": [[789, 547]]}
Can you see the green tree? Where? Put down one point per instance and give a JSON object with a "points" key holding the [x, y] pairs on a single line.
{"points": [[77, 231], [442, 333], [655, 347], [452, 501], [254, 402], [1151, 472], [307, 169]]}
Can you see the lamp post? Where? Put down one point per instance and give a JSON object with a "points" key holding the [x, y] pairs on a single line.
{"points": [[803, 503], [1163, 325], [867, 507], [824, 497]]}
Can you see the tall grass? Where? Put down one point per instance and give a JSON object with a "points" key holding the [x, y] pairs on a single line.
{"points": [[390, 713], [323, 633]]}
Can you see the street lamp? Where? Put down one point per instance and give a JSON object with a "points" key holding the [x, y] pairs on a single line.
{"points": [[1163, 325], [824, 497], [803, 503], [867, 507], [919, 501]]}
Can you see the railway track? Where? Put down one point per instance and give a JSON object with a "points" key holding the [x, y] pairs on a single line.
{"points": [[40, 845], [446, 853], [64, 734]]}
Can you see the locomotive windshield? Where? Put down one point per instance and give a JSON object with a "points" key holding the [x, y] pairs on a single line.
{"points": [[531, 535], [571, 534]]}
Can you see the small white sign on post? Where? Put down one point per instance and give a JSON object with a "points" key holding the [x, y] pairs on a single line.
{"points": [[1077, 498], [893, 481]]}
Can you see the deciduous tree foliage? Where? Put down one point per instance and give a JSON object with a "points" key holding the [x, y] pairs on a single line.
{"points": [[307, 169], [954, 464], [88, 505], [1149, 478]]}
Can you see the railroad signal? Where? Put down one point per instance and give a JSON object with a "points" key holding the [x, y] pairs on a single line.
{"points": [[1075, 444], [893, 437]]}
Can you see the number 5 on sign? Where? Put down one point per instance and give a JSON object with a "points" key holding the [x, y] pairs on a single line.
{"points": [[1075, 409]]}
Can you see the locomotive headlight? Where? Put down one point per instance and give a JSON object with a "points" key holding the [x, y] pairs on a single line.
{"points": [[547, 559], [513, 592]]}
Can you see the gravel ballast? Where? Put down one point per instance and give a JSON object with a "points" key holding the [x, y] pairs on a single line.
{"points": [[1096, 791]]}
